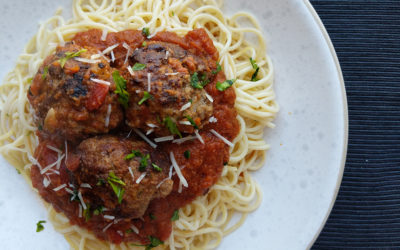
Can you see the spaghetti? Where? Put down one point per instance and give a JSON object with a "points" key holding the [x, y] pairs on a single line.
{"points": [[204, 222]]}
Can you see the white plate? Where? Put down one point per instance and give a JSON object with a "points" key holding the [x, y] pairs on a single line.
{"points": [[304, 167]]}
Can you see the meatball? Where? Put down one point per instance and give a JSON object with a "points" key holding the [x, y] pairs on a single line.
{"points": [[73, 94], [108, 164], [176, 78]]}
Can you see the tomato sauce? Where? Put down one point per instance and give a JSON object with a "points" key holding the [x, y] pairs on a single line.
{"points": [[201, 170]]}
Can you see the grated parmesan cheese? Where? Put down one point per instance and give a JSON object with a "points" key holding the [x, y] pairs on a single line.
{"points": [[209, 97], [107, 121], [69, 191], [186, 106], [59, 187], [170, 172], [212, 119], [120, 233], [172, 74], [178, 170], [230, 144], [131, 172], [135, 229], [112, 56], [86, 185], [164, 138], [66, 151], [80, 211], [139, 133], [46, 182], [180, 187], [109, 49], [185, 123], [161, 182], [108, 226], [54, 149], [104, 35], [140, 178], [148, 82], [100, 81], [85, 60], [166, 54], [95, 56], [130, 70], [81, 200], [109, 217], [149, 131], [199, 136], [58, 161], [151, 125], [182, 140]]}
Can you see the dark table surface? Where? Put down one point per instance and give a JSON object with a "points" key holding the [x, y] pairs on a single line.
{"points": [[366, 36]]}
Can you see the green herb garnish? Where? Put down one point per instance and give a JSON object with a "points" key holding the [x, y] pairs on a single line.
{"points": [[156, 167], [219, 68], [69, 55], [187, 154], [175, 216], [120, 82], [128, 231], [255, 66], [40, 127], [45, 72], [138, 66], [221, 86], [171, 125], [86, 213], [98, 210], [192, 122], [144, 163], [19, 172], [144, 44], [198, 83], [100, 182], [172, 13], [29, 80], [39, 226], [135, 153], [146, 96], [152, 216], [116, 184], [145, 32]]}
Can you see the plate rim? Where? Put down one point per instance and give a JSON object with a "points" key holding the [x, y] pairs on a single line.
{"points": [[332, 50]]}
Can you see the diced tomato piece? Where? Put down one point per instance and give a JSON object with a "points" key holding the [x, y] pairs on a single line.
{"points": [[97, 95]]}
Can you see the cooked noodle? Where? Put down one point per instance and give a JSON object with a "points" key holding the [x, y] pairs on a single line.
{"points": [[204, 222]]}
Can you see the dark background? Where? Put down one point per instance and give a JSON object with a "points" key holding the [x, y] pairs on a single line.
{"points": [[366, 36]]}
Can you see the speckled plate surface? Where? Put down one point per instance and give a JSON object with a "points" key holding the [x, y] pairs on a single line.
{"points": [[308, 147]]}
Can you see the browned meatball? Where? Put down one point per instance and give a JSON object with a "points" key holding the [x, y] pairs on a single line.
{"points": [[67, 97], [105, 166], [172, 73]]}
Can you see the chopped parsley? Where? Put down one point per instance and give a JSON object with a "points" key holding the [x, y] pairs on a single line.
{"points": [[86, 213], [144, 44], [198, 83], [171, 125], [192, 122], [120, 82], [40, 127], [172, 13], [156, 167], [222, 86], [128, 231], [152, 216], [116, 184], [69, 55], [187, 154], [146, 96], [45, 72], [219, 68], [175, 216], [190, 100], [39, 226], [145, 32], [100, 182], [154, 242], [29, 80], [98, 210], [144, 162], [19, 172], [138, 66], [255, 66], [135, 153]]}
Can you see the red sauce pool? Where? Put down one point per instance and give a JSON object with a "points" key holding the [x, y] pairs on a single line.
{"points": [[201, 170]]}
